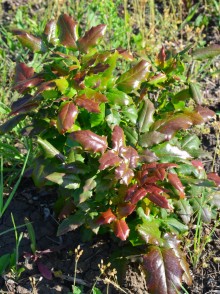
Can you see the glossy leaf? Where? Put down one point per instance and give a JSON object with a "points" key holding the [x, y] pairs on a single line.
{"points": [[130, 113], [118, 97], [206, 53], [67, 28], [124, 173], [68, 181], [71, 223], [159, 200], [131, 135], [118, 139], [199, 206], [157, 79], [23, 105], [24, 77], [139, 194], [162, 264], [49, 150], [121, 229], [125, 209], [91, 37], [33, 43], [184, 210], [130, 156], [125, 54], [205, 113], [11, 123], [152, 138], [195, 92], [90, 141], [176, 183], [106, 217], [109, 159], [145, 116], [51, 32], [131, 79], [214, 177], [66, 117], [90, 184], [148, 156], [175, 225], [88, 104]]}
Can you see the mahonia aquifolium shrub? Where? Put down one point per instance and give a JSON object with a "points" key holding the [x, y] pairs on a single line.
{"points": [[115, 142]]}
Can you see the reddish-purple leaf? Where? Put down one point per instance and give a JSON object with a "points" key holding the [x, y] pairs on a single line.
{"points": [[132, 79], [44, 270], [106, 217], [138, 195], [50, 31], [162, 56], [110, 158], [67, 31], [205, 113], [198, 164], [124, 173], [160, 173], [118, 138], [66, 117], [33, 43], [176, 183], [130, 156], [91, 37], [159, 200], [130, 192], [163, 270], [11, 123], [214, 177], [121, 229], [125, 209], [46, 86], [100, 67], [90, 141], [24, 78], [125, 54], [22, 105], [148, 156], [88, 104]]}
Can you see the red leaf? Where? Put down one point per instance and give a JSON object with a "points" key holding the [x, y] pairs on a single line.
{"points": [[121, 229], [66, 117], [91, 37], [44, 270], [160, 173], [138, 195], [214, 177], [67, 31], [90, 141], [166, 165], [106, 217], [125, 209], [88, 104], [118, 138], [198, 164], [24, 104], [130, 156], [100, 67], [50, 31], [124, 173], [130, 192], [162, 56], [110, 158], [159, 200], [24, 77], [205, 113], [176, 183], [125, 54], [33, 43]]}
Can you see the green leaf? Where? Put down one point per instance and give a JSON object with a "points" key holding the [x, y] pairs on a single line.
{"points": [[131, 135], [90, 184], [113, 118], [190, 142], [49, 150], [71, 223], [199, 206], [132, 79], [196, 93], [97, 119], [4, 263], [145, 116], [175, 225], [151, 138], [184, 210], [96, 291], [130, 113], [33, 43], [118, 97], [68, 181], [206, 53]]}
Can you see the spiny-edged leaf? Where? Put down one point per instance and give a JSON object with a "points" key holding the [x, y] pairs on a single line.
{"points": [[175, 226], [176, 183], [184, 210], [118, 139], [157, 79], [137, 195], [170, 153], [214, 177], [24, 104], [118, 97], [106, 217], [90, 141], [98, 118], [148, 156], [91, 37], [44, 270], [159, 200], [145, 116], [183, 95], [66, 117], [24, 77], [88, 104], [190, 142], [171, 241], [49, 150], [113, 117], [33, 43], [131, 135], [96, 96], [68, 181], [67, 31], [151, 138], [130, 113], [71, 223], [51, 32], [205, 113], [149, 230], [100, 67], [195, 92], [77, 167], [200, 206], [125, 209], [163, 270], [160, 173], [11, 123], [121, 229], [207, 52], [131, 79], [198, 164], [125, 54], [124, 173], [110, 158], [90, 184], [130, 156]]}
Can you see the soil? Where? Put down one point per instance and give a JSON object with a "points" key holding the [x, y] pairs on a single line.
{"points": [[58, 253]]}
